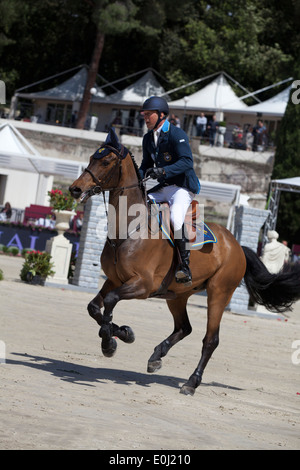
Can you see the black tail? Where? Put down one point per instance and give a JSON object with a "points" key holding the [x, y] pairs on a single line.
{"points": [[275, 291]]}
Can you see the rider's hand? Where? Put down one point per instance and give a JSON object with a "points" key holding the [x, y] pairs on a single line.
{"points": [[156, 173]]}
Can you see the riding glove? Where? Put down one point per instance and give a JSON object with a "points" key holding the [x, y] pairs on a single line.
{"points": [[156, 173]]}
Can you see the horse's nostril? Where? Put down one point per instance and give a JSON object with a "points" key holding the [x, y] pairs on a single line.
{"points": [[75, 191]]}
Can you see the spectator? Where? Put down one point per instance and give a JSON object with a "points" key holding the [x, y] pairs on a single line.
{"points": [[201, 123], [213, 127], [275, 254], [6, 212], [259, 136]]}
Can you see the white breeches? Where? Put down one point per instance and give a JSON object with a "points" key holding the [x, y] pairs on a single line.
{"points": [[179, 200]]}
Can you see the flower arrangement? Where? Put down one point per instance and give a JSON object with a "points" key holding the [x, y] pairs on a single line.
{"points": [[61, 201], [37, 263]]}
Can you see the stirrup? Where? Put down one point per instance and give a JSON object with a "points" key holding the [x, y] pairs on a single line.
{"points": [[183, 275]]}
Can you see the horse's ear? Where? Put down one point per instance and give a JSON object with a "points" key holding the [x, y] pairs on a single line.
{"points": [[112, 139]]}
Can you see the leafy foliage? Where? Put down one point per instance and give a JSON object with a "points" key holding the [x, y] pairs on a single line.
{"points": [[36, 263], [256, 42]]}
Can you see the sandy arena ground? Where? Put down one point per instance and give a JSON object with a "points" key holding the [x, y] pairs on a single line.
{"points": [[59, 392]]}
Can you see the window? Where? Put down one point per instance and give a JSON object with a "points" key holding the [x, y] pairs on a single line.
{"points": [[59, 114]]}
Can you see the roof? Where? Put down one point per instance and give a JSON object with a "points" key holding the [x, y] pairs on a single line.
{"points": [[70, 90], [217, 95], [135, 94], [288, 182], [16, 153], [275, 106]]}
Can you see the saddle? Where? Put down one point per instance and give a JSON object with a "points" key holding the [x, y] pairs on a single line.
{"points": [[196, 231]]}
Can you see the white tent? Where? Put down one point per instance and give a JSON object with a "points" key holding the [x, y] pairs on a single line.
{"points": [[70, 90], [135, 94], [16, 153], [274, 106], [25, 175], [216, 96]]}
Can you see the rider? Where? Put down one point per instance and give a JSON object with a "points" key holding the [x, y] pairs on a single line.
{"points": [[168, 158]]}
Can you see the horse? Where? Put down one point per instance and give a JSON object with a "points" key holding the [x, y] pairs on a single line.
{"points": [[143, 267]]}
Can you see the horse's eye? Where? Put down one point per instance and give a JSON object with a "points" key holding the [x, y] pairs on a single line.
{"points": [[105, 163]]}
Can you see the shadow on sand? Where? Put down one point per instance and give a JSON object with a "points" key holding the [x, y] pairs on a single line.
{"points": [[89, 376]]}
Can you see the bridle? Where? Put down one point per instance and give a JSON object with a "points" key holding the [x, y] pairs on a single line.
{"points": [[100, 184]]}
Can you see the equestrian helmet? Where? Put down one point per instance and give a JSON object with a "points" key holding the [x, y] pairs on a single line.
{"points": [[156, 103]]}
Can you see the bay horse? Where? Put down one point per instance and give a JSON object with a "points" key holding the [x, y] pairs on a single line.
{"points": [[143, 267]]}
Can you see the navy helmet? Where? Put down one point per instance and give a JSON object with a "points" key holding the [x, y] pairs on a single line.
{"points": [[156, 103]]}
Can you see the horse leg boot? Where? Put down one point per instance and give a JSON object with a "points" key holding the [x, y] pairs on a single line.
{"points": [[123, 332], [134, 288], [108, 344], [183, 274]]}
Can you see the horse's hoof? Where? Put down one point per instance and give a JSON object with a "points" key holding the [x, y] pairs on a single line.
{"points": [[126, 334], [187, 390], [110, 350], [154, 366]]}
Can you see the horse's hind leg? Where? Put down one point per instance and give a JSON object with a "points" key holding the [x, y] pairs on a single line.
{"points": [[182, 328], [216, 303]]}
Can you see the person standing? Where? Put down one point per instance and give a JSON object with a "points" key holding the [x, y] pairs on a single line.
{"points": [[201, 123], [259, 136], [213, 127], [167, 157]]}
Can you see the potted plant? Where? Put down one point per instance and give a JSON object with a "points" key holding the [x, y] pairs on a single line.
{"points": [[61, 201], [37, 267], [63, 205], [222, 127]]}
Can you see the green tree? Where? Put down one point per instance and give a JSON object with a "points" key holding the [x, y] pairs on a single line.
{"points": [[231, 36], [111, 18], [287, 165]]}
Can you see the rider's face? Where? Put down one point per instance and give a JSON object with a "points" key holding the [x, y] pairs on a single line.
{"points": [[151, 119]]}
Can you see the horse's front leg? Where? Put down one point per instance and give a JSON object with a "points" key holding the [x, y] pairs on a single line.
{"points": [[132, 289], [123, 332]]}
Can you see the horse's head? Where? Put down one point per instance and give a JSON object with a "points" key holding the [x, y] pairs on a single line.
{"points": [[103, 171]]}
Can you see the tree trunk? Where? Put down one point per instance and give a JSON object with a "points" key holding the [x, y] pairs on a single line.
{"points": [[91, 79]]}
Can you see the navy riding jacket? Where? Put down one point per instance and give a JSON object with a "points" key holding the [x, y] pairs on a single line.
{"points": [[173, 153]]}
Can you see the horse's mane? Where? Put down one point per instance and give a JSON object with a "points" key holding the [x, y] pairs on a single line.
{"points": [[139, 177]]}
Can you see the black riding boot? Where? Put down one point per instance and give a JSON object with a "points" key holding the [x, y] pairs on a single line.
{"points": [[183, 273]]}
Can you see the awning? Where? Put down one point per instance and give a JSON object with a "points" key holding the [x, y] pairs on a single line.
{"points": [[222, 192], [288, 183], [16, 153], [42, 165]]}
